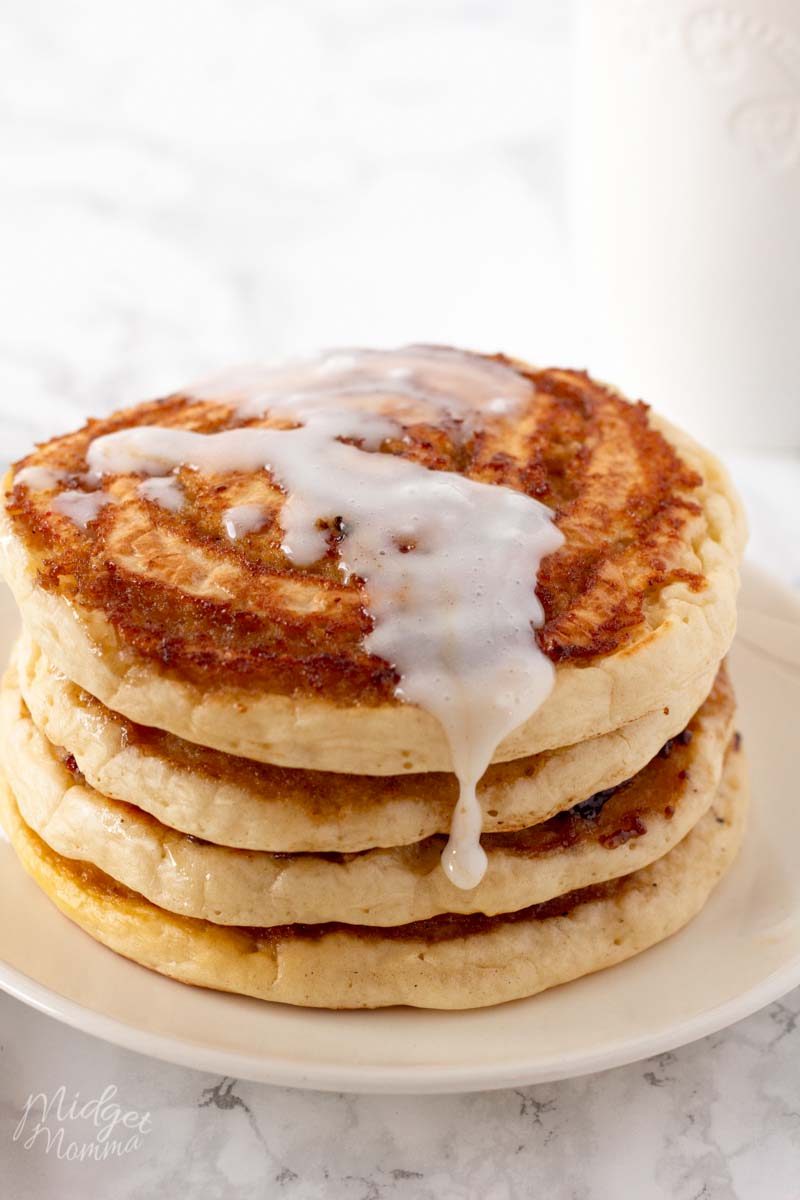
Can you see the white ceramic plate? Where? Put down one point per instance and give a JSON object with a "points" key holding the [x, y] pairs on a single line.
{"points": [[742, 952]]}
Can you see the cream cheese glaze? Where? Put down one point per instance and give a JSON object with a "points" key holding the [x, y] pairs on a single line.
{"points": [[80, 507], [242, 519], [449, 564], [41, 479], [164, 490]]}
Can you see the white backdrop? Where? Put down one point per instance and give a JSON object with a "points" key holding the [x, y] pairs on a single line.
{"points": [[191, 183]]}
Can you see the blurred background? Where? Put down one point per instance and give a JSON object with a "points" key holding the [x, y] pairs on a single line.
{"points": [[192, 183], [612, 184]]}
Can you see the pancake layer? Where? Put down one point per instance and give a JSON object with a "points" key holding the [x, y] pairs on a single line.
{"points": [[234, 802], [447, 962], [285, 630], [157, 614], [605, 837]]}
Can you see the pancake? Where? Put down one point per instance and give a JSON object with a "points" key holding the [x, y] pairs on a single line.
{"points": [[448, 962], [142, 598], [234, 802], [607, 836]]}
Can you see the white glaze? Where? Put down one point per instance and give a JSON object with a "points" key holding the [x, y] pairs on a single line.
{"points": [[415, 383], [449, 564], [80, 507], [164, 490], [39, 479], [242, 519]]}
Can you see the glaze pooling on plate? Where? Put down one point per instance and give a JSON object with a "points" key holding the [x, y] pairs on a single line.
{"points": [[450, 564]]}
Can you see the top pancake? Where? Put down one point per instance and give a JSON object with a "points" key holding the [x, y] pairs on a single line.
{"points": [[162, 617]]}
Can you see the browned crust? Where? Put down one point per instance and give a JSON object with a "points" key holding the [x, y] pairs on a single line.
{"points": [[620, 492]]}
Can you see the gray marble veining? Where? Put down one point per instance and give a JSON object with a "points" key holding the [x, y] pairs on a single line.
{"points": [[717, 1120]]}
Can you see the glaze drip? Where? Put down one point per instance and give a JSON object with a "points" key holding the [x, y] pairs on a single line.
{"points": [[449, 564]]}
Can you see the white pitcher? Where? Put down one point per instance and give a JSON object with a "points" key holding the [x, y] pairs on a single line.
{"points": [[686, 209]]}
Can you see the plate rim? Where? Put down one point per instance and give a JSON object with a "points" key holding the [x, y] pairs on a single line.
{"points": [[395, 1080], [413, 1078]]}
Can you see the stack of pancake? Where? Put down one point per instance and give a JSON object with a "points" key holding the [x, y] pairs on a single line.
{"points": [[235, 740]]}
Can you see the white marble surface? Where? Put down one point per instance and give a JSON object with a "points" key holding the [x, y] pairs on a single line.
{"points": [[714, 1121], [187, 184]]}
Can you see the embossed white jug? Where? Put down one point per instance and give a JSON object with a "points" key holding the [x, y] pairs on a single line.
{"points": [[686, 209]]}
